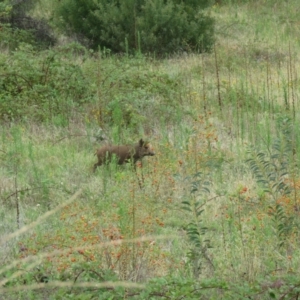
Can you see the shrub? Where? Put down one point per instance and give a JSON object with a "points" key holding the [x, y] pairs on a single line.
{"points": [[17, 26], [155, 26], [131, 95], [10, 38], [39, 87]]}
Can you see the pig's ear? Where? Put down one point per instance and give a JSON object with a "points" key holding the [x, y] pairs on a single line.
{"points": [[141, 142]]}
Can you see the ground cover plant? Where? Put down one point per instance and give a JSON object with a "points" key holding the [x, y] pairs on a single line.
{"points": [[213, 215]]}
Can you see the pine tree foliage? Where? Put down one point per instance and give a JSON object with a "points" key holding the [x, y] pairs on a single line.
{"points": [[160, 26]]}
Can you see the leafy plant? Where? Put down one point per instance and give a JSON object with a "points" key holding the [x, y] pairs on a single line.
{"points": [[282, 223], [195, 230], [272, 172]]}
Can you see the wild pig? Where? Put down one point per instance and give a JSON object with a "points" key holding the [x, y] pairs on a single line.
{"points": [[123, 153]]}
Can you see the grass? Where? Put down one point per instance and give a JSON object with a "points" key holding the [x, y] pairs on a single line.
{"points": [[217, 216]]}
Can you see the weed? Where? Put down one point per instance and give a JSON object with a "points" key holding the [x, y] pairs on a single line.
{"points": [[195, 230]]}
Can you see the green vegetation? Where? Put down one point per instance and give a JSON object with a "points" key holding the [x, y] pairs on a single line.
{"points": [[33, 85], [213, 215], [140, 25]]}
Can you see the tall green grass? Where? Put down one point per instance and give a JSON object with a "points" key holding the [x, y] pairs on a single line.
{"points": [[229, 118]]}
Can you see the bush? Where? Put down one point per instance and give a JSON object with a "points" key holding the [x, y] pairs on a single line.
{"points": [[150, 26], [10, 38], [39, 87], [19, 27], [131, 95]]}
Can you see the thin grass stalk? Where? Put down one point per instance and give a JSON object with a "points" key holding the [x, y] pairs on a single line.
{"points": [[204, 87], [285, 92], [71, 284], [288, 86], [294, 168], [133, 234], [17, 203], [254, 117], [270, 102], [240, 226], [248, 100], [231, 103], [39, 220], [139, 43], [243, 118], [224, 237], [291, 85], [294, 87], [19, 273], [271, 88], [195, 153], [236, 101], [54, 253], [218, 79], [136, 33], [100, 98]]}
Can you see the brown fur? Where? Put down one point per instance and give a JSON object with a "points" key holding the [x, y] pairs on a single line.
{"points": [[123, 153]]}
